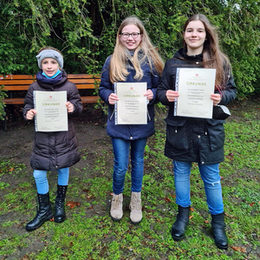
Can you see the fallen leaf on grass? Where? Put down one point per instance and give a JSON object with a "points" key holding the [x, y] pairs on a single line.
{"points": [[167, 199], [252, 204], [72, 204], [230, 156], [52, 219], [228, 215], [89, 197], [206, 222], [239, 249]]}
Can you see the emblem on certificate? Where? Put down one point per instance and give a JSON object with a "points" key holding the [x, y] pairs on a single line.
{"points": [[195, 85], [131, 108], [52, 115]]}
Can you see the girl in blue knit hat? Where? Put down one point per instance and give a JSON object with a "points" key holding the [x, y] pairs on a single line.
{"points": [[52, 150]]}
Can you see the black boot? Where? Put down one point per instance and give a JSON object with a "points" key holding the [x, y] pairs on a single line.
{"points": [[59, 215], [218, 230], [44, 212], [178, 228]]}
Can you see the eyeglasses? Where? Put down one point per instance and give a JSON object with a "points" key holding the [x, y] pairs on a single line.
{"points": [[127, 35]]}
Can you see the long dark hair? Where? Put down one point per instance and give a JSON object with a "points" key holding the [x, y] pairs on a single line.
{"points": [[213, 57]]}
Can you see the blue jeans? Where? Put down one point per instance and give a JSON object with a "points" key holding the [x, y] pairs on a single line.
{"points": [[212, 185], [121, 150], [42, 185]]}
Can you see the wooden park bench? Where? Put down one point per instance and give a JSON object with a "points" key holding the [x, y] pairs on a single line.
{"points": [[17, 86]]}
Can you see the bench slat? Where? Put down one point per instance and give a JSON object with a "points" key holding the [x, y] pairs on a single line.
{"points": [[20, 101], [89, 99], [89, 81], [29, 82], [16, 88], [70, 76], [14, 101], [25, 87], [22, 83], [83, 76], [16, 82], [13, 77]]}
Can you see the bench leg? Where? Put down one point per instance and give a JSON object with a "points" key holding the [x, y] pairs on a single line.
{"points": [[4, 123]]}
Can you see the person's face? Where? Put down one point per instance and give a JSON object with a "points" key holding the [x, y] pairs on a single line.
{"points": [[194, 36], [50, 66], [130, 37]]}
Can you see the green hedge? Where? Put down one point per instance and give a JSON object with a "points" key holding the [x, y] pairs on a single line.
{"points": [[85, 32]]}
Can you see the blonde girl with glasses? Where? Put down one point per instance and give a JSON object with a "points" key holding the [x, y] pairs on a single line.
{"points": [[134, 59]]}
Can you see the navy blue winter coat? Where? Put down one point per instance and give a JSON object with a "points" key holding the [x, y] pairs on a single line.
{"points": [[129, 132], [192, 139]]}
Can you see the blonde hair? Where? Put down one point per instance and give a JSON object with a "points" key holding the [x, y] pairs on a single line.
{"points": [[118, 64], [213, 57]]}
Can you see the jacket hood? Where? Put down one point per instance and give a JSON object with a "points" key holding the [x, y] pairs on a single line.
{"points": [[182, 55]]}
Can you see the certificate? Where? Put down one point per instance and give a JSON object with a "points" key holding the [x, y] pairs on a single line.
{"points": [[195, 85], [51, 111], [131, 108]]}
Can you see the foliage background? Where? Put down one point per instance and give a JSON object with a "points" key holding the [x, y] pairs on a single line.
{"points": [[85, 32]]}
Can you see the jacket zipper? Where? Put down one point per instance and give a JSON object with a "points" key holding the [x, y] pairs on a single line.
{"points": [[149, 118], [112, 115]]}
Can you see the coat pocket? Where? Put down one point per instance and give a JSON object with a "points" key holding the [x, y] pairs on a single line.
{"points": [[216, 134], [177, 134]]}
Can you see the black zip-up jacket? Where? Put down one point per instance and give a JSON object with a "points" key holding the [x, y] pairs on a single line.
{"points": [[55, 150], [192, 139]]}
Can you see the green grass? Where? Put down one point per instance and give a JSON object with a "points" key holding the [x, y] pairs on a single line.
{"points": [[89, 232]]}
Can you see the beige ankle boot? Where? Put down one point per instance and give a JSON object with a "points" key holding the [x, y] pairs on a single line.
{"points": [[116, 211], [136, 207]]}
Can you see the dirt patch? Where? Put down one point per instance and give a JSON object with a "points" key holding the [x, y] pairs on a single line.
{"points": [[17, 141]]}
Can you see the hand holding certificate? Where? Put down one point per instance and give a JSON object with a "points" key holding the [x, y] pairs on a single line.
{"points": [[131, 108], [52, 115], [195, 85]]}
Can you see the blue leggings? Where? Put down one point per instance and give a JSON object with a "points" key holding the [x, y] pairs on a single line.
{"points": [[41, 180]]}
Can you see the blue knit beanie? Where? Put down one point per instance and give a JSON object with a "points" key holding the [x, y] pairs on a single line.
{"points": [[49, 53]]}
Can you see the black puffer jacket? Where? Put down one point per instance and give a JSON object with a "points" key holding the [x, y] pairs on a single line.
{"points": [[55, 150], [192, 139]]}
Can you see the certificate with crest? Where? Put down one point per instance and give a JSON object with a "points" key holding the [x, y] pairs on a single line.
{"points": [[131, 108], [51, 111], [195, 85]]}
